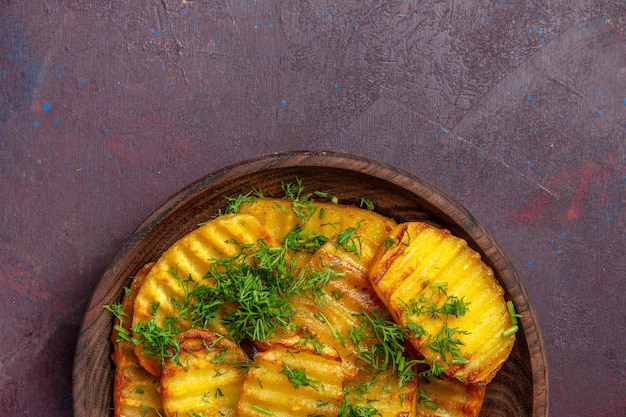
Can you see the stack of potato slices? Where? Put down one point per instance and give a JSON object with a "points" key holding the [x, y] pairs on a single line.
{"points": [[300, 306]]}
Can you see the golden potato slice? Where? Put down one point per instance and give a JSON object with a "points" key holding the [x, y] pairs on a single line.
{"points": [[280, 216], [292, 380], [379, 395], [135, 391], [449, 397], [274, 214], [437, 286], [331, 219], [326, 318], [208, 379], [338, 309], [182, 266]]}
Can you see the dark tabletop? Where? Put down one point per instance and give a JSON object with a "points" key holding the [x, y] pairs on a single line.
{"points": [[515, 108]]}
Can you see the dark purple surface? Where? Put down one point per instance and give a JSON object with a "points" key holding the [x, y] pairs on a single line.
{"points": [[517, 109]]}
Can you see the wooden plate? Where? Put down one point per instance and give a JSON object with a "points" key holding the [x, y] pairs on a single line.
{"points": [[519, 389]]}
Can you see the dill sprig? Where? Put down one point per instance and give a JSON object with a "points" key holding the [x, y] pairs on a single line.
{"points": [[234, 203], [438, 305], [424, 399], [158, 341], [297, 377], [350, 241], [514, 316], [251, 291], [349, 409], [368, 203], [301, 203], [381, 345]]}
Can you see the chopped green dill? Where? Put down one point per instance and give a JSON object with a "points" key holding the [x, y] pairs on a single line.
{"points": [[262, 410], [337, 335], [116, 310], [350, 241], [122, 333], [510, 331], [301, 204], [337, 294], [512, 313], [250, 292], [301, 240], [293, 191], [438, 305], [348, 409], [321, 403], [330, 197], [368, 203], [426, 400], [310, 339], [297, 378], [234, 203], [206, 396], [380, 344], [154, 307], [159, 342]]}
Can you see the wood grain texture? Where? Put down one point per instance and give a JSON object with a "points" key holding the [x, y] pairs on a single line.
{"points": [[520, 388]]}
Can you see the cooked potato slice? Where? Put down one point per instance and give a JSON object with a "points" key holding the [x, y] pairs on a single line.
{"points": [[292, 380], [449, 397], [274, 214], [437, 286], [382, 394], [208, 377], [339, 307], [135, 391], [331, 219], [328, 317], [280, 216], [165, 287]]}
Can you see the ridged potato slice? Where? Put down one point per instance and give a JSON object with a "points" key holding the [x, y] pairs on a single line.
{"points": [[280, 216], [274, 214], [449, 398], [135, 391], [427, 273], [163, 291], [208, 379], [337, 308], [292, 380]]}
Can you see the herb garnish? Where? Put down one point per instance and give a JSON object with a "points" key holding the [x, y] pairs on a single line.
{"points": [[248, 292], [444, 343], [514, 316], [367, 202], [301, 204], [349, 240], [348, 409], [381, 345], [426, 400], [262, 410], [297, 378]]}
